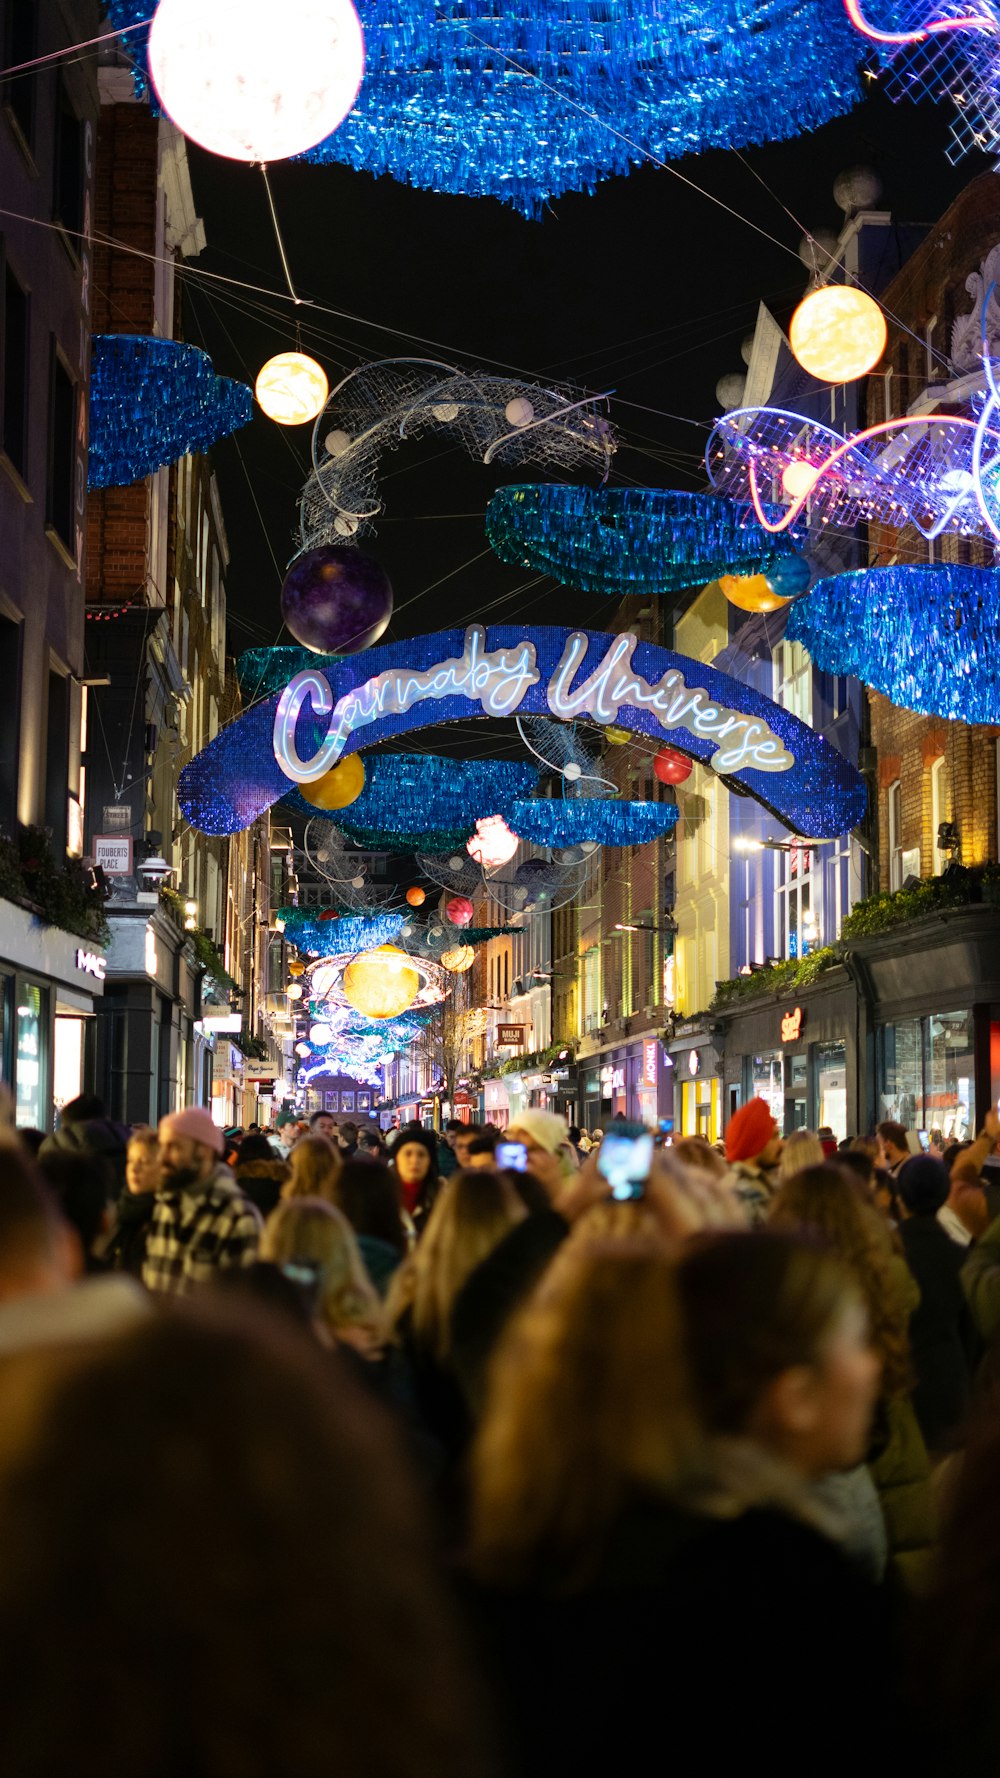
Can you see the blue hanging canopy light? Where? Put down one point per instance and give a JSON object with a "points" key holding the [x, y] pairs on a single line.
{"points": [[620, 540], [927, 638], [526, 103], [151, 402], [558, 822]]}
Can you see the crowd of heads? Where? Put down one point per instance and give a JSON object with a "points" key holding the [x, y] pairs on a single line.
{"points": [[351, 1446]]}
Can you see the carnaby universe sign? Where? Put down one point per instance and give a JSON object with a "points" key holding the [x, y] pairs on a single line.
{"points": [[325, 712]]}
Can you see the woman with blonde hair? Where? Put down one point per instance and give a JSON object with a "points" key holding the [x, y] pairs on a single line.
{"points": [[316, 1247], [315, 1162], [802, 1149]]}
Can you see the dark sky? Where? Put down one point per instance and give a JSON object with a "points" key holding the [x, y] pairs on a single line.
{"points": [[647, 288]]}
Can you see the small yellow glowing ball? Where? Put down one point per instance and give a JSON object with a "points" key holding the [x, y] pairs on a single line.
{"points": [[296, 967], [751, 592], [292, 388], [338, 787], [619, 737], [295, 991], [837, 333], [381, 983], [458, 960], [798, 478]]}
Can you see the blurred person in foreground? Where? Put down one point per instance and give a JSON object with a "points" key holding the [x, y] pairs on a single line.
{"points": [[615, 1540], [126, 1250], [260, 1173], [201, 1222], [314, 1245], [85, 1128], [800, 1149], [753, 1146], [214, 1566], [366, 1193], [942, 1333], [80, 1183], [314, 1164]]}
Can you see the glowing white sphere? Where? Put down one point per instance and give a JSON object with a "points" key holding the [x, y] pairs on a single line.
{"points": [[573, 771], [294, 991], [254, 81], [519, 412], [337, 442], [492, 844], [292, 388], [321, 1032], [798, 478]]}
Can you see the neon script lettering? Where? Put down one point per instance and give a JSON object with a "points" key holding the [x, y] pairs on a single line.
{"points": [[791, 1026], [499, 681]]}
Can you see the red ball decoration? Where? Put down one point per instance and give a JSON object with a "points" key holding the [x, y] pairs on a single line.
{"points": [[416, 896], [671, 767], [459, 910]]}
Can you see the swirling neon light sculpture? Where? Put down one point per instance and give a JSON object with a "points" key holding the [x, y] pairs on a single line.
{"points": [[937, 56]]}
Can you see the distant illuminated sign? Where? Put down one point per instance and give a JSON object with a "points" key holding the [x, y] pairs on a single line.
{"points": [[791, 1025], [511, 1034], [91, 963], [694, 1062], [650, 1061]]}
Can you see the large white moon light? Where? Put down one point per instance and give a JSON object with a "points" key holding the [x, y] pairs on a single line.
{"points": [[253, 80]]}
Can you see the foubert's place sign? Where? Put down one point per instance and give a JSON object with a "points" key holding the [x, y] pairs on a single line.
{"points": [[294, 737], [499, 681]]}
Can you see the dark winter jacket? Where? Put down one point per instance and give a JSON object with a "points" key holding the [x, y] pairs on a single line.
{"points": [[99, 1138], [261, 1182], [382, 1260], [942, 1335], [126, 1249]]}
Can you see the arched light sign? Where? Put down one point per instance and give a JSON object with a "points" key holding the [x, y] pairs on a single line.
{"points": [[296, 736]]}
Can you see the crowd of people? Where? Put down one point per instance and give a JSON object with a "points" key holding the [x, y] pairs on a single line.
{"points": [[439, 1455]]}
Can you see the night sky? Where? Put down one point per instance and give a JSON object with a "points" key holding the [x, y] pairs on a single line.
{"points": [[646, 288]]}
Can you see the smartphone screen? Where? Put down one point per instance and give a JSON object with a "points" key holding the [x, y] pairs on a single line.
{"points": [[512, 1154], [625, 1162], [925, 1140], [306, 1274]]}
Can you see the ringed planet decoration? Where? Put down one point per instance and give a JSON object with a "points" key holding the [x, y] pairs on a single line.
{"points": [[336, 600], [837, 333], [253, 82], [381, 983], [291, 388], [153, 401], [750, 592], [572, 675]]}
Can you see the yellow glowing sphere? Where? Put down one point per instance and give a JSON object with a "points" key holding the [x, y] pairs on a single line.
{"points": [[458, 960], [296, 967], [838, 333], [381, 983], [617, 736], [751, 592], [338, 787], [292, 388], [798, 478]]}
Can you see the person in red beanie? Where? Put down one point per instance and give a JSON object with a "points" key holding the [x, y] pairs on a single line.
{"points": [[202, 1222], [753, 1145]]}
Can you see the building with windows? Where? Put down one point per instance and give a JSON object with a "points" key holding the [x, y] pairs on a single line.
{"points": [[51, 965]]}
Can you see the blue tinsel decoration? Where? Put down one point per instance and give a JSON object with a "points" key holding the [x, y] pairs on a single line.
{"points": [[526, 102], [263, 670], [349, 932], [151, 402], [412, 795], [391, 839], [568, 821], [926, 638], [617, 540]]}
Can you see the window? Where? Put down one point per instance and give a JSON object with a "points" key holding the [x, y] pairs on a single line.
{"points": [[57, 761], [19, 45], [938, 814], [62, 440], [67, 196], [895, 802], [30, 1085], [793, 675], [10, 719], [796, 895], [15, 372]]}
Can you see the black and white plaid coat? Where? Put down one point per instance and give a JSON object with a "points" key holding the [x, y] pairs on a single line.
{"points": [[196, 1232]]}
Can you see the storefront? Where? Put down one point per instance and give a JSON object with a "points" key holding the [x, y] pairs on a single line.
{"points": [[697, 1085], [496, 1103], [633, 1080], [799, 1054], [152, 1057], [50, 985]]}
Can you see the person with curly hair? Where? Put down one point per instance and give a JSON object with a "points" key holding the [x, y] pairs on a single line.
{"points": [[822, 1202]]}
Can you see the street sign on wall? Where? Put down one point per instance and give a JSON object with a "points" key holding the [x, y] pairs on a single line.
{"points": [[512, 1034], [113, 852]]}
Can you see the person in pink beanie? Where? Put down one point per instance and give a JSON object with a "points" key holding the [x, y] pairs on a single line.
{"points": [[202, 1221], [753, 1146]]}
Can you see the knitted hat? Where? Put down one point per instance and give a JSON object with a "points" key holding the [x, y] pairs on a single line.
{"points": [[544, 1127], [923, 1184], [750, 1130], [196, 1124]]}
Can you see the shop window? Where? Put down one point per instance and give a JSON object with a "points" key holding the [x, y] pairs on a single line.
{"points": [[831, 1088], [949, 1068], [793, 677], [67, 1061], [15, 372], [62, 443], [20, 46], [895, 809], [67, 196], [938, 814], [31, 1010], [10, 719], [767, 1082]]}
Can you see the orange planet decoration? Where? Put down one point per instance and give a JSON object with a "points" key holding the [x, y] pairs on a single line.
{"points": [[458, 960], [296, 967], [381, 983], [416, 896], [751, 592], [671, 767], [339, 787], [838, 333]]}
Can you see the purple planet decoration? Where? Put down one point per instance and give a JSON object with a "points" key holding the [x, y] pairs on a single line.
{"points": [[336, 600]]}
